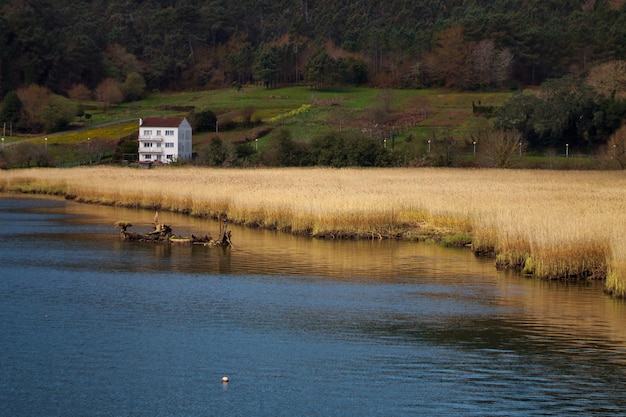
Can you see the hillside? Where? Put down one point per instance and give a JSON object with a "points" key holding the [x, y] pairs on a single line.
{"points": [[340, 127], [184, 44]]}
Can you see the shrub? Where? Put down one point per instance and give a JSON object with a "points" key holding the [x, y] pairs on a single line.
{"points": [[286, 152], [204, 121], [58, 113]]}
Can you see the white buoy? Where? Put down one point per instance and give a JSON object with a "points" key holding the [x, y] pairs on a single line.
{"points": [[225, 379]]}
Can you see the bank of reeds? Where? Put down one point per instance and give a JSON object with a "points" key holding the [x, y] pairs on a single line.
{"points": [[550, 224], [616, 276]]}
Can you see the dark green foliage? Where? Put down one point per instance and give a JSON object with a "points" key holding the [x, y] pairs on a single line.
{"points": [[329, 150], [323, 71], [286, 152], [365, 152], [11, 108], [480, 110], [356, 71], [609, 115], [243, 152], [216, 152], [240, 63], [219, 153], [204, 121], [266, 65], [126, 149], [516, 113], [134, 87], [343, 150], [186, 44], [564, 111], [57, 114]]}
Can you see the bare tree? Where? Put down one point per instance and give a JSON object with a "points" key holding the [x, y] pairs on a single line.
{"points": [[502, 67], [26, 154], [442, 149], [79, 92], [492, 66], [120, 62], [483, 59], [498, 148], [97, 149], [109, 92], [608, 78], [379, 115], [449, 62], [247, 114], [339, 116], [34, 99]]}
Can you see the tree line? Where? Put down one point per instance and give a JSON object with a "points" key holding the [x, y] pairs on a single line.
{"points": [[184, 44]]}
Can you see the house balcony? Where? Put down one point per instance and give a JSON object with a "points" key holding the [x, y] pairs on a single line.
{"points": [[150, 139]]}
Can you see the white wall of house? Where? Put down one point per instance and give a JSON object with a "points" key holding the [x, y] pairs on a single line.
{"points": [[164, 139]]}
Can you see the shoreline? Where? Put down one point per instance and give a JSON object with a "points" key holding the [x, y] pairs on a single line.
{"points": [[457, 208], [420, 233]]}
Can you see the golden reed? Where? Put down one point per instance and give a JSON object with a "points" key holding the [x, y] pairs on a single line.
{"points": [[551, 224]]}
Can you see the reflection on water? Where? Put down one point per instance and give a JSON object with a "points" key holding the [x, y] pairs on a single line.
{"points": [[268, 252], [98, 326]]}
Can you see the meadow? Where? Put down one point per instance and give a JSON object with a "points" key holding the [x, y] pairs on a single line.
{"points": [[413, 118], [548, 224], [419, 113]]}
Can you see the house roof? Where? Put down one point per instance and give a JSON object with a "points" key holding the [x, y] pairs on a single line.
{"points": [[162, 121]]}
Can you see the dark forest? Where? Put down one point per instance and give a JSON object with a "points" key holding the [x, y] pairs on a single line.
{"points": [[185, 44]]}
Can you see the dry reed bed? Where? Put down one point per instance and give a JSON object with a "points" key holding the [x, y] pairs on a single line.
{"points": [[553, 224]]}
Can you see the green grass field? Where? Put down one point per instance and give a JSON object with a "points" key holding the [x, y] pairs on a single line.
{"points": [[446, 109], [414, 117], [415, 114]]}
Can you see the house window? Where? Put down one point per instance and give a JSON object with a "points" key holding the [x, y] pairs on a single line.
{"points": [[158, 145], [147, 144], [147, 132], [148, 157], [159, 157], [169, 144], [170, 156], [158, 133], [169, 133]]}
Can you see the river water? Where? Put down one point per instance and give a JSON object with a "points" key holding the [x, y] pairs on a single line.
{"points": [[95, 326]]}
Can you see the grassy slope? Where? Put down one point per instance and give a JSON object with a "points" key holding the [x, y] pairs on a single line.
{"points": [[420, 113]]}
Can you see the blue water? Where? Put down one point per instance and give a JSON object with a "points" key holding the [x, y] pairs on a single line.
{"points": [[93, 326]]}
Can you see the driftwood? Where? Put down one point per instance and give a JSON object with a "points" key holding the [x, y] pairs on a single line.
{"points": [[163, 233]]}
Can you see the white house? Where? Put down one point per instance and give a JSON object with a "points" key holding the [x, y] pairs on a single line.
{"points": [[164, 139]]}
